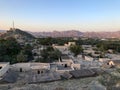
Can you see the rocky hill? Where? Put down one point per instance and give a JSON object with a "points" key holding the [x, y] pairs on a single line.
{"points": [[18, 34]]}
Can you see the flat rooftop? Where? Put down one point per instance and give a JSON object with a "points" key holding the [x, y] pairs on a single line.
{"points": [[65, 56], [64, 68]]}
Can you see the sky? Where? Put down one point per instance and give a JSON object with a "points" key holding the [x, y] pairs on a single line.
{"points": [[60, 15]]}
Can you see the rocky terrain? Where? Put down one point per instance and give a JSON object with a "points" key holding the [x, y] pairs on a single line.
{"points": [[107, 81], [74, 84]]}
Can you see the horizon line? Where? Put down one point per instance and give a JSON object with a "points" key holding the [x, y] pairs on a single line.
{"points": [[64, 30]]}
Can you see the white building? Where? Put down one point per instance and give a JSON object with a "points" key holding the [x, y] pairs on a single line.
{"points": [[37, 67], [71, 43], [103, 59], [83, 57], [113, 56], [88, 58], [87, 47], [63, 49]]}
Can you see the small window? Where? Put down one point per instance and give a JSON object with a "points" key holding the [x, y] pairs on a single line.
{"points": [[20, 69], [65, 65], [38, 72], [0, 67], [41, 71]]}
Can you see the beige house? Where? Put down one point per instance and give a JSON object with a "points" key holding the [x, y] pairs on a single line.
{"points": [[66, 59], [76, 66], [86, 47], [111, 63], [66, 64], [63, 49], [71, 43], [34, 67], [116, 63]]}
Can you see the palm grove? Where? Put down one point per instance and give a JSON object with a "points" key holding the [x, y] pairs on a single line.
{"points": [[11, 51]]}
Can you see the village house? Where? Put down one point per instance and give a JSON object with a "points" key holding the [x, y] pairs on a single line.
{"points": [[88, 51], [62, 67], [21, 67], [82, 73], [71, 43], [103, 59], [38, 68], [86, 47], [76, 66], [53, 67], [80, 57], [64, 64], [88, 58], [90, 64], [65, 58], [84, 57], [111, 63], [115, 63], [113, 56], [108, 62], [63, 49], [110, 51]]}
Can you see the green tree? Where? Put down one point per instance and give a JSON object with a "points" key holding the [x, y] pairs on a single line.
{"points": [[9, 48], [76, 49], [27, 50], [21, 57], [50, 54], [45, 41]]}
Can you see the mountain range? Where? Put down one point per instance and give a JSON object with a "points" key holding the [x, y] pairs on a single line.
{"points": [[76, 33], [69, 33], [115, 34]]}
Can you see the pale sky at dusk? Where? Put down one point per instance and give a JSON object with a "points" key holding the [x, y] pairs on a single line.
{"points": [[49, 15]]}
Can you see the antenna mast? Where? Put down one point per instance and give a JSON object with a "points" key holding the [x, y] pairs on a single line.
{"points": [[13, 25]]}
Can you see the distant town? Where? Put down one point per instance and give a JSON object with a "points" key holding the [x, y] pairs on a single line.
{"points": [[30, 60]]}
